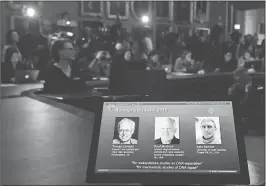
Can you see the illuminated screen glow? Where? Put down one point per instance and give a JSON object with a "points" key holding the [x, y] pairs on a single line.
{"points": [[190, 137]]}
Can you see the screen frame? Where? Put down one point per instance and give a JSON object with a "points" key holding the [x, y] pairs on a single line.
{"points": [[159, 178]]}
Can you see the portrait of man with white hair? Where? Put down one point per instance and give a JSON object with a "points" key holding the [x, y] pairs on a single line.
{"points": [[208, 130], [124, 131], [166, 129]]}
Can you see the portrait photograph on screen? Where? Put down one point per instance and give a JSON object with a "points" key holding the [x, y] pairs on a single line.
{"points": [[208, 130], [166, 130], [126, 130]]}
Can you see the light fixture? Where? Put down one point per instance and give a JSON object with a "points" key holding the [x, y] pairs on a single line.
{"points": [[30, 12], [237, 26], [67, 22], [70, 34], [54, 37], [145, 19]]}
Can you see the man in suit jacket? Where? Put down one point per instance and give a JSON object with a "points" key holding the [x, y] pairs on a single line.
{"points": [[168, 130], [126, 128]]}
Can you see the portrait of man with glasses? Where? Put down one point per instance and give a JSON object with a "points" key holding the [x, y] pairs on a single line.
{"points": [[125, 131]]}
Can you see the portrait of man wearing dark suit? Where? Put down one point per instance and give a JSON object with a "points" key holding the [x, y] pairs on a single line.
{"points": [[125, 130]]}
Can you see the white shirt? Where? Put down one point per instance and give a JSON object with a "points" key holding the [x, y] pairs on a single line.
{"points": [[215, 141]]}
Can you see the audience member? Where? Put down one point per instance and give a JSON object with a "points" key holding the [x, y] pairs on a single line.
{"points": [[96, 67], [60, 77], [214, 56], [244, 59], [186, 64], [128, 55], [154, 60], [12, 58], [229, 63]]}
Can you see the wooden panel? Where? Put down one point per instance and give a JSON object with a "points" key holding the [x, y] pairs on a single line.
{"points": [[217, 12], [201, 11], [164, 10], [182, 12], [120, 8], [140, 8], [91, 8]]}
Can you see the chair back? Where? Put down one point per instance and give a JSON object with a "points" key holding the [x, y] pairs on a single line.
{"points": [[146, 82]]}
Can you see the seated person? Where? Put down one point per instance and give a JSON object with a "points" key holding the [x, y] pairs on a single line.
{"points": [[208, 129], [168, 130], [241, 86], [97, 68], [229, 64], [60, 77], [125, 129], [245, 58], [11, 57], [139, 51], [128, 56], [153, 61], [186, 64], [119, 68]]}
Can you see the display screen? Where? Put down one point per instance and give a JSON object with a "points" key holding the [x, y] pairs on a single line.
{"points": [[189, 137]]}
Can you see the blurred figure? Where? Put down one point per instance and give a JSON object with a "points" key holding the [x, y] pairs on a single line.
{"points": [[249, 45], [173, 47], [119, 70], [139, 51], [126, 45], [148, 43], [87, 45], [40, 59], [97, 66], [186, 64], [11, 53], [142, 45], [201, 52], [215, 47], [154, 60], [60, 77], [193, 42], [241, 83], [128, 55], [229, 63], [12, 58], [262, 50], [240, 89], [244, 59]]}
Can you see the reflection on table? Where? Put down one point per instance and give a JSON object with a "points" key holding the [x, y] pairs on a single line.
{"points": [[181, 75]]}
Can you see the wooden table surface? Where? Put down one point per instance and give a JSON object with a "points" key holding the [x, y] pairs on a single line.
{"points": [[42, 144]]}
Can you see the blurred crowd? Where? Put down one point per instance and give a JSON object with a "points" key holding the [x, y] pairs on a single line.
{"points": [[60, 58]]}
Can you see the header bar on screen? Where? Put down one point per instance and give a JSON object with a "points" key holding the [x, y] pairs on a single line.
{"points": [[169, 103]]}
